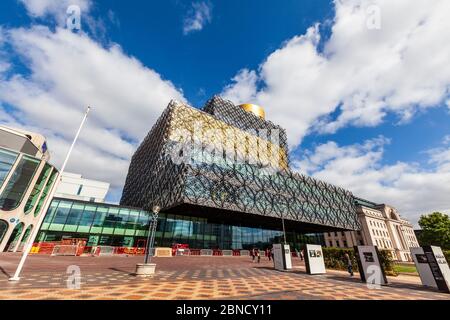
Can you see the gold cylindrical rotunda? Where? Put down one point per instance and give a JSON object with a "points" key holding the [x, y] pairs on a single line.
{"points": [[255, 109]]}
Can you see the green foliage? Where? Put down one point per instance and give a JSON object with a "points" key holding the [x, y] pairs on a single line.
{"points": [[435, 230], [405, 268], [447, 255], [335, 259], [387, 263]]}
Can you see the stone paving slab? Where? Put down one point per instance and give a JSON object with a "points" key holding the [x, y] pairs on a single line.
{"points": [[187, 278]]}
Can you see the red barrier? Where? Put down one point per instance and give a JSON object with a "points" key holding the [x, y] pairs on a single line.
{"points": [[44, 247], [217, 252], [194, 252], [236, 253]]}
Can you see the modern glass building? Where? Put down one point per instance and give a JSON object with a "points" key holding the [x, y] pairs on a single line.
{"points": [[25, 181], [112, 225], [224, 170], [222, 179]]}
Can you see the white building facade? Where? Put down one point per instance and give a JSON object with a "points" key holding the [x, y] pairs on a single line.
{"points": [[26, 179], [74, 186], [381, 226]]}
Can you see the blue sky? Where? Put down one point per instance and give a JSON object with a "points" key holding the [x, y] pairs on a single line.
{"points": [[365, 108]]}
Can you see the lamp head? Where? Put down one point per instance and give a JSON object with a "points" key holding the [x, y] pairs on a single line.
{"points": [[156, 209]]}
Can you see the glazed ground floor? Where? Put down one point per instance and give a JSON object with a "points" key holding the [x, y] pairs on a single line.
{"points": [[110, 225]]}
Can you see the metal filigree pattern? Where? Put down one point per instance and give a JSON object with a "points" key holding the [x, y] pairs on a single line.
{"points": [[227, 165]]}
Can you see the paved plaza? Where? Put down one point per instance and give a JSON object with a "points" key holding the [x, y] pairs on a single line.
{"points": [[179, 278]]}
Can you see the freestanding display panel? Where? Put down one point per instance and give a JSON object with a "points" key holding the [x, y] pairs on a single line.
{"points": [[314, 259], [282, 257], [432, 267], [369, 265]]}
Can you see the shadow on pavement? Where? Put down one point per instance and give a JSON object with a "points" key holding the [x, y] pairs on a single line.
{"points": [[123, 271], [5, 273], [395, 285]]}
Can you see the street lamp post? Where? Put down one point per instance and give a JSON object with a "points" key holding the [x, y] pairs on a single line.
{"points": [[284, 230], [147, 268], [151, 235]]}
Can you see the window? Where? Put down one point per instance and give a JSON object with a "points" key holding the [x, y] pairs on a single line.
{"points": [[3, 229], [110, 220], [99, 219], [331, 243], [121, 221], [60, 216], [45, 192], [345, 244], [38, 188], [85, 222], [131, 223], [18, 184], [50, 214], [338, 244], [7, 160], [73, 217]]}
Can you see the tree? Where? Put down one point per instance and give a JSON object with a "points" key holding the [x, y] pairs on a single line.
{"points": [[435, 230]]}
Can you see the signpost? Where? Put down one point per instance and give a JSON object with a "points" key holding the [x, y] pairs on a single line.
{"points": [[432, 267], [314, 259], [282, 257], [369, 265]]}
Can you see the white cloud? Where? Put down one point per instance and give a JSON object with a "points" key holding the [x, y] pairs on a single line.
{"points": [[244, 92], [198, 16], [70, 71], [412, 190], [367, 73], [4, 64], [446, 139], [54, 8]]}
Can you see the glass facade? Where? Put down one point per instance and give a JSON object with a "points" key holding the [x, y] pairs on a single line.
{"points": [[14, 238], [37, 188], [19, 183], [44, 194], [7, 159], [103, 224], [3, 229], [222, 161]]}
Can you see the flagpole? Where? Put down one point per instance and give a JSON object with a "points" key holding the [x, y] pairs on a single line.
{"points": [[47, 202]]}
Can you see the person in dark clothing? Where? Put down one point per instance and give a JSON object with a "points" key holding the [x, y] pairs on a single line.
{"points": [[258, 255], [349, 264], [253, 253], [268, 254]]}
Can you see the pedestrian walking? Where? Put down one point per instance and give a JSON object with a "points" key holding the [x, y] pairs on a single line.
{"points": [[271, 252], [258, 254], [253, 253], [268, 254], [349, 264]]}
